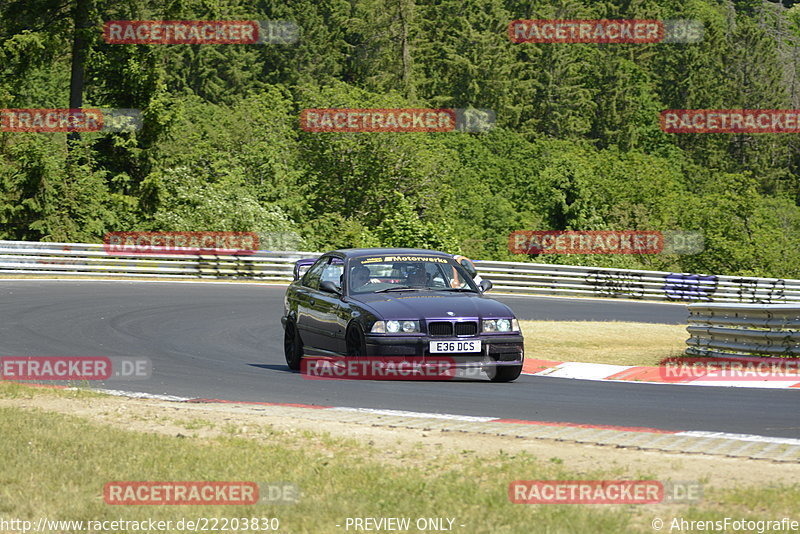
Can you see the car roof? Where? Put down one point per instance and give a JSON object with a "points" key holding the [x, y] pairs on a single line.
{"points": [[359, 252]]}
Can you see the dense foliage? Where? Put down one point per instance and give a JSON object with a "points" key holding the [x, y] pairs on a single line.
{"points": [[577, 144]]}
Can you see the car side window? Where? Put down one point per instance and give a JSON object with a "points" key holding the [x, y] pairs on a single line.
{"points": [[332, 272], [327, 269], [312, 278]]}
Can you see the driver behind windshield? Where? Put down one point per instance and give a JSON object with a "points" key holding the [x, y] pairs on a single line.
{"points": [[360, 277], [417, 277]]}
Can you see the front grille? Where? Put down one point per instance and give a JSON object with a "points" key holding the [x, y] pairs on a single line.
{"points": [[440, 328], [466, 329], [450, 328]]}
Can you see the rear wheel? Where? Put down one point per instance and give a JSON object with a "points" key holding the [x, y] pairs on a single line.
{"points": [[506, 373], [292, 346], [354, 339]]}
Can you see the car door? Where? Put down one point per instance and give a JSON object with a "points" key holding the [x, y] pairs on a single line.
{"points": [[317, 310], [328, 309], [306, 294]]}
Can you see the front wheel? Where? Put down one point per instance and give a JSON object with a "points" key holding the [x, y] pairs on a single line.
{"points": [[292, 346], [356, 345], [506, 373]]}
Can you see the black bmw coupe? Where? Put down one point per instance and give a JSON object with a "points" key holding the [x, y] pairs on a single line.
{"points": [[407, 303]]}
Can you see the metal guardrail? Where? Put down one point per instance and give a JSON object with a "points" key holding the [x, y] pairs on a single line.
{"points": [[78, 259], [546, 279], [720, 330]]}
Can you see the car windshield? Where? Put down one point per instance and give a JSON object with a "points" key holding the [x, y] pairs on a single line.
{"points": [[407, 273]]}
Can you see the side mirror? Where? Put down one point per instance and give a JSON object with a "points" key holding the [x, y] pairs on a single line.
{"points": [[469, 267], [485, 285], [329, 287]]}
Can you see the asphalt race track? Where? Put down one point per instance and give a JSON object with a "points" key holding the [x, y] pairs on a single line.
{"points": [[224, 341]]}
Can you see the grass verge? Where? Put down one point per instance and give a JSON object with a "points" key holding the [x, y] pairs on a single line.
{"points": [[616, 343], [56, 465]]}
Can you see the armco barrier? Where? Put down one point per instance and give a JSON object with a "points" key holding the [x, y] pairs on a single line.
{"points": [[725, 329], [546, 279], [77, 259]]}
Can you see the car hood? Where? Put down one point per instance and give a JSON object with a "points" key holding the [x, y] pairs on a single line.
{"points": [[432, 304]]}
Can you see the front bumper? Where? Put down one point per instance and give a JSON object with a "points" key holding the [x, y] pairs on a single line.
{"points": [[496, 350]]}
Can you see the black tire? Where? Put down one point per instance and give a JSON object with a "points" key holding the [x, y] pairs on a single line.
{"points": [[292, 346], [506, 373], [355, 342]]}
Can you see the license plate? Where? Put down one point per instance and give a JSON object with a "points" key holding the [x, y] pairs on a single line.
{"points": [[439, 347]]}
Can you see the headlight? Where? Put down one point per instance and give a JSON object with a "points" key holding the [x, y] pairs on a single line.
{"points": [[410, 327], [395, 327], [500, 325]]}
